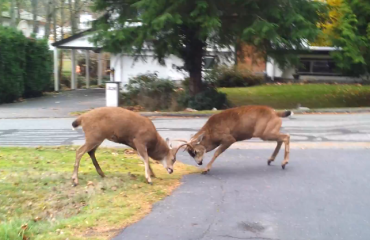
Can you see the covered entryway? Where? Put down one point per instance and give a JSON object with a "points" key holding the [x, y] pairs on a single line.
{"points": [[76, 42]]}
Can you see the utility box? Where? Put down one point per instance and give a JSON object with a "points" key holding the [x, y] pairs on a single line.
{"points": [[112, 94]]}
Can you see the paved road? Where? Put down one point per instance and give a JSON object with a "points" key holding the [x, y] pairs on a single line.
{"points": [[55, 105], [323, 193], [341, 129]]}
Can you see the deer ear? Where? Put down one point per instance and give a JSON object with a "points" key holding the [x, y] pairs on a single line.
{"points": [[200, 138], [168, 143]]}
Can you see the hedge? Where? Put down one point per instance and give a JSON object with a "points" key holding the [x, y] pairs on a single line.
{"points": [[25, 65], [38, 70]]}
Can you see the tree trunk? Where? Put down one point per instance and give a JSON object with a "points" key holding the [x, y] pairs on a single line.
{"points": [[1, 10], [18, 3], [61, 37], [77, 15], [54, 11], [194, 63], [12, 14], [72, 17], [34, 12], [49, 15]]}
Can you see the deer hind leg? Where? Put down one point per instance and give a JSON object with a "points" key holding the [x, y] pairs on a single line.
{"points": [[226, 143], [88, 146], [95, 162], [275, 153], [280, 138]]}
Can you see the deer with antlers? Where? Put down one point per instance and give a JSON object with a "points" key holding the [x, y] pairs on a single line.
{"points": [[126, 127], [238, 124]]}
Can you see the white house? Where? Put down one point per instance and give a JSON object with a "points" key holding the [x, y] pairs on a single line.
{"points": [[316, 64], [125, 66], [26, 22]]}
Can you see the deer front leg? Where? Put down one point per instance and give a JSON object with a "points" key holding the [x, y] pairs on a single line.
{"points": [[142, 151], [151, 173], [226, 143]]}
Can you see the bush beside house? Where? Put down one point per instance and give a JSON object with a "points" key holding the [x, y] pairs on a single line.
{"points": [[25, 66], [12, 61]]}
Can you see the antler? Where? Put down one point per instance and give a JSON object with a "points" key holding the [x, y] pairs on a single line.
{"points": [[182, 145], [180, 140]]}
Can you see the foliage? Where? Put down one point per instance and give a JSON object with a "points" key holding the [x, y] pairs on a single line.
{"points": [[38, 68], [25, 66], [353, 31], [12, 62], [206, 100], [224, 76], [150, 92], [186, 28], [308, 95], [330, 24], [349, 29], [41, 200]]}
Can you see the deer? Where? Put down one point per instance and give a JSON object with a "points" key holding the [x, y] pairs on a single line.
{"points": [[122, 126], [238, 124]]}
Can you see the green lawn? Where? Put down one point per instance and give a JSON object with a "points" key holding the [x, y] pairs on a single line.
{"points": [[38, 200], [308, 95]]}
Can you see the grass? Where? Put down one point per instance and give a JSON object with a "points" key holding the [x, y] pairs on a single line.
{"points": [[308, 95], [38, 201], [288, 96]]}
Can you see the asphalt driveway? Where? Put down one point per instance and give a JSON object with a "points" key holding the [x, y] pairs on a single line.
{"points": [[322, 195]]}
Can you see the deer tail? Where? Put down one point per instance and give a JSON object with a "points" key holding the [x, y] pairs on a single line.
{"points": [[285, 114], [76, 123]]}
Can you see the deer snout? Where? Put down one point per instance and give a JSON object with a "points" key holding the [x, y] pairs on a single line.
{"points": [[170, 170], [200, 163]]}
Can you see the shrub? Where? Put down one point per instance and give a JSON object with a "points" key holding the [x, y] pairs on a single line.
{"points": [[12, 61], [38, 68], [224, 76], [208, 99], [150, 92]]}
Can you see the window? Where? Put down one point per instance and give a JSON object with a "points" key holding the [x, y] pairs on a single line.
{"points": [[317, 67], [209, 62], [304, 66]]}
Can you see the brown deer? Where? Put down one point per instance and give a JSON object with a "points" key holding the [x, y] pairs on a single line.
{"points": [[238, 124], [126, 127]]}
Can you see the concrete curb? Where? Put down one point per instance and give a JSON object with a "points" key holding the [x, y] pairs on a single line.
{"points": [[296, 111]]}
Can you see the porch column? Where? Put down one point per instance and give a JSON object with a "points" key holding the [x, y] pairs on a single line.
{"points": [[73, 70], [100, 68], [87, 69], [273, 70], [56, 74]]}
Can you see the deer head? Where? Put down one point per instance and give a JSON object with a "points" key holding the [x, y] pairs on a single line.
{"points": [[194, 147]]}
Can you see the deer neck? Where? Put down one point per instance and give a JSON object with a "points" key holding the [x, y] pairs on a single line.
{"points": [[160, 150]]}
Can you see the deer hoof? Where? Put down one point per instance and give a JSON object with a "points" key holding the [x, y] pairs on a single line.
{"points": [[269, 162], [150, 183], [205, 171], [283, 165]]}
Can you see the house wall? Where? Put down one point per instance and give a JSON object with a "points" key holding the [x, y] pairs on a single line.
{"points": [[26, 27], [126, 67]]}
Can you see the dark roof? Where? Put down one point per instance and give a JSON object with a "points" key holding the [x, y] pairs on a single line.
{"points": [[73, 37]]}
